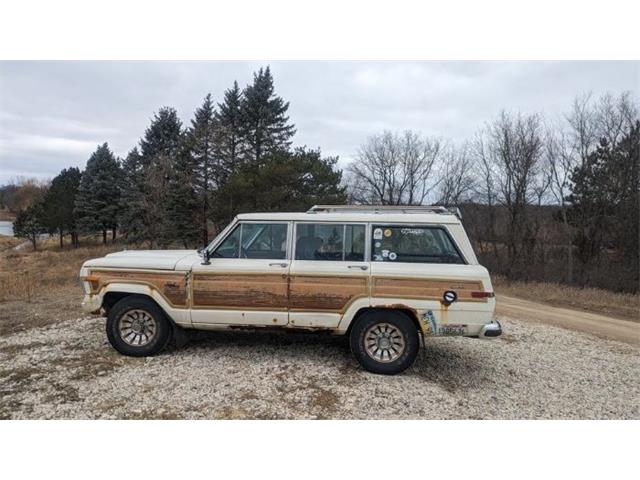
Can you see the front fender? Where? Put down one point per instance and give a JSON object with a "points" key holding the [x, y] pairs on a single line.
{"points": [[92, 302]]}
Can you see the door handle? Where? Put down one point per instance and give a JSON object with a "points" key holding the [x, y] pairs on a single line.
{"points": [[361, 267], [283, 265]]}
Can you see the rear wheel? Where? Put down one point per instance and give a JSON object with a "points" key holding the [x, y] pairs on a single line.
{"points": [[384, 341], [137, 327]]}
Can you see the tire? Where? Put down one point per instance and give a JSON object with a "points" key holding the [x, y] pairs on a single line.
{"points": [[137, 327], [384, 341]]}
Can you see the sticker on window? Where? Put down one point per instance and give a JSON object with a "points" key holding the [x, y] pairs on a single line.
{"points": [[385, 253], [378, 244], [388, 233], [393, 255], [377, 234], [413, 231]]}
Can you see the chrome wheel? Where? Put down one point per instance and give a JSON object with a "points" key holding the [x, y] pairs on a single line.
{"points": [[137, 327], [384, 342]]}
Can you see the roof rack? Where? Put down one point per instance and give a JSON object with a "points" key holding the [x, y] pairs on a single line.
{"points": [[384, 208]]}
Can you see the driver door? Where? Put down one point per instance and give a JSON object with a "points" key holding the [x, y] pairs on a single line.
{"points": [[246, 282]]}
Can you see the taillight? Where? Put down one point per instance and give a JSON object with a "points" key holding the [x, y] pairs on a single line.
{"points": [[482, 294]]}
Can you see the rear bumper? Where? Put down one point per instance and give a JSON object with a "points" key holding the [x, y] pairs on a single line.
{"points": [[491, 330]]}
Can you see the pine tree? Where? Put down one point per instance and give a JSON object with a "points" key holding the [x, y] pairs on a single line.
{"points": [[163, 137], [229, 145], [96, 205], [605, 205], [265, 126], [59, 202], [29, 223], [160, 148], [207, 168], [183, 203], [283, 181], [133, 213]]}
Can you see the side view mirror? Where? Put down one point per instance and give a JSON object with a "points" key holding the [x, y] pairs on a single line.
{"points": [[205, 254]]}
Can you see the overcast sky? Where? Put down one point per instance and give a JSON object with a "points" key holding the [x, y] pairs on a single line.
{"points": [[54, 114]]}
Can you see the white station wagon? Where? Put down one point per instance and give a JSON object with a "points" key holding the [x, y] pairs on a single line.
{"points": [[385, 276]]}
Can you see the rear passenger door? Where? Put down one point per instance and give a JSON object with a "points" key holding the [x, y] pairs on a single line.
{"points": [[329, 272]]}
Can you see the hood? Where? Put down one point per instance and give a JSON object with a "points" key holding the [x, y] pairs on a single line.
{"points": [[144, 259]]}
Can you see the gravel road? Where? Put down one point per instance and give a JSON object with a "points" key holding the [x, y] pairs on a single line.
{"points": [[67, 370]]}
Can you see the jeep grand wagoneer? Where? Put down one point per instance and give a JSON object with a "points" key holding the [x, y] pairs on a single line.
{"points": [[385, 276]]}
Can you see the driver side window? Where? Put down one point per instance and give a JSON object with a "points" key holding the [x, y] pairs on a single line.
{"points": [[256, 241], [229, 247]]}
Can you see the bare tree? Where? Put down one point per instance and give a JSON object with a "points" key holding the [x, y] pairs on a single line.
{"points": [[593, 120], [510, 157], [394, 169], [485, 192], [457, 182], [561, 156], [569, 145], [613, 116], [582, 135]]}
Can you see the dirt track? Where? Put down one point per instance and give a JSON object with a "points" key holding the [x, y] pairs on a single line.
{"points": [[599, 325]]}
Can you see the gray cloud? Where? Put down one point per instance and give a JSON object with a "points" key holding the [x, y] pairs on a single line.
{"points": [[54, 114]]}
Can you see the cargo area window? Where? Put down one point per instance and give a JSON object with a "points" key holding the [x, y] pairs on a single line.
{"points": [[256, 241], [413, 244], [330, 242]]}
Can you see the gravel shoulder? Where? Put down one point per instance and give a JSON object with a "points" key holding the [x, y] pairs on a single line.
{"points": [[64, 368]]}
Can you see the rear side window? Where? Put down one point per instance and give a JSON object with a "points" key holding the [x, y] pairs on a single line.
{"points": [[411, 244], [330, 242]]}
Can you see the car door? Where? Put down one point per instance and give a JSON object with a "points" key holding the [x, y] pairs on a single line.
{"points": [[246, 282], [328, 272]]}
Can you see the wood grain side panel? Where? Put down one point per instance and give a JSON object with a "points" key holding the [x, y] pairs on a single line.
{"points": [[322, 293], [425, 288], [171, 285], [251, 291]]}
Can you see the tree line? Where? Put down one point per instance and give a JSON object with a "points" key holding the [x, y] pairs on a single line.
{"points": [[543, 199], [180, 183]]}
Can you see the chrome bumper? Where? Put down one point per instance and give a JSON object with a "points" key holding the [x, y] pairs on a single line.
{"points": [[491, 330]]}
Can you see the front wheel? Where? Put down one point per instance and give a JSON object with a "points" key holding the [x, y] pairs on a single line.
{"points": [[137, 327], [384, 342]]}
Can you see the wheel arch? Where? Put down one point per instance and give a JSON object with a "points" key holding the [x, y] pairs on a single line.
{"points": [[404, 309], [115, 292]]}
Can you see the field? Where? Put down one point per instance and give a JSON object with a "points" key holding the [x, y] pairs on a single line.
{"points": [[46, 271], [7, 242], [55, 362]]}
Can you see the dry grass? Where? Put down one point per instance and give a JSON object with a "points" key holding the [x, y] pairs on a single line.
{"points": [[51, 307], [621, 305], [7, 242], [25, 274]]}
